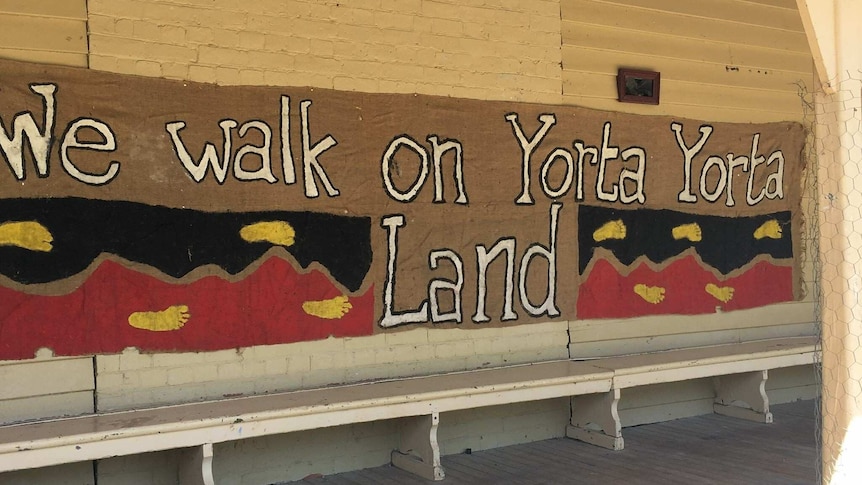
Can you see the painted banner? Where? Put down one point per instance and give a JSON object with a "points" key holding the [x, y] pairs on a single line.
{"points": [[177, 216]]}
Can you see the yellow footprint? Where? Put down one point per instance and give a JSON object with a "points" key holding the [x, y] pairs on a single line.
{"points": [[650, 294], [26, 234], [690, 231], [275, 232], [331, 309], [171, 318], [610, 230], [721, 293], [769, 229]]}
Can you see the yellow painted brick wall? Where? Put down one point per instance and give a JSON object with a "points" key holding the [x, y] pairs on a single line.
{"points": [[49, 31], [483, 49]]}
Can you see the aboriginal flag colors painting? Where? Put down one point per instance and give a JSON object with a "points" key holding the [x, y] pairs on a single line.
{"points": [[648, 262], [175, 216], [87, 276]]}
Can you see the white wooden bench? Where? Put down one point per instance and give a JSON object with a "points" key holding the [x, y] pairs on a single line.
{"points": [[740, 372], [594, 387], [198, 426]]}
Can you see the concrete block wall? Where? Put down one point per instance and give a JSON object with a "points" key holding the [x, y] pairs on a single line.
{"points": [[481, 49]]}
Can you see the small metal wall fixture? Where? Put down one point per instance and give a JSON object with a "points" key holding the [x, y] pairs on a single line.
{"points": [[635, 86]]}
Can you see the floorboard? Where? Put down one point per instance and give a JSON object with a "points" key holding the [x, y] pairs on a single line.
{"points": [[709, 449]]}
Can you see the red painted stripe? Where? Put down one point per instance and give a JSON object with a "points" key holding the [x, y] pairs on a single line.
{"points": [[264, 308], [608, 294]]}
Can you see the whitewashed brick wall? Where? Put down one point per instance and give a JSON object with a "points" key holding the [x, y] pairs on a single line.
{"points": [[131, 379]]}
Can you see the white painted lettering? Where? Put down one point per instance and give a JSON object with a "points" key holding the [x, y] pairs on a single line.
{"points": [[286, 150], [755, 161], [527, 147], [583, 151], [386, 168], [548, 307], [732, 163], [310, 164], [559, 153], [606, 153], [390, 318], [636, 176], [108, 144], [440, 284], [721, 183], [263, 151], [689, 153], [40, 142], [438, 149], [484, 257], [209, 155], [776, 179]]}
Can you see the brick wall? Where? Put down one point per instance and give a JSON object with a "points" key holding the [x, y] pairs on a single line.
{"points": [[482, 49], [131, 379]]}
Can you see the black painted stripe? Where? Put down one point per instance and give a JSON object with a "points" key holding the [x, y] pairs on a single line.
{"points": [[175, 241], [727, 243]]}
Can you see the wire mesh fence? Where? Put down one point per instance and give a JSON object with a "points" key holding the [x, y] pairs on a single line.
{"points": [[834, 249]]}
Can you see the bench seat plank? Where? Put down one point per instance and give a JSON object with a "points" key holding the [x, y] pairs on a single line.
{"points": [[45, 443], [740, 370], [693, 363], [197, 426]]}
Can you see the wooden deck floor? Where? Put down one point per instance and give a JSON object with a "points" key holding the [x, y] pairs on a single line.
{"points": [[708, 449]]}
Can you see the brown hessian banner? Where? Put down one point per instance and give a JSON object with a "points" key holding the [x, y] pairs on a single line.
{"points": [[441, 211]]}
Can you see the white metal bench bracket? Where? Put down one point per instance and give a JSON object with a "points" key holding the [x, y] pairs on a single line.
{"points": [[595, 420], [743, 396], [419, 452], [196, 467]]}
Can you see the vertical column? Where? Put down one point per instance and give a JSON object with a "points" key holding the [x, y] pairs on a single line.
{"points": [[834, 36], [839, 143]]}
